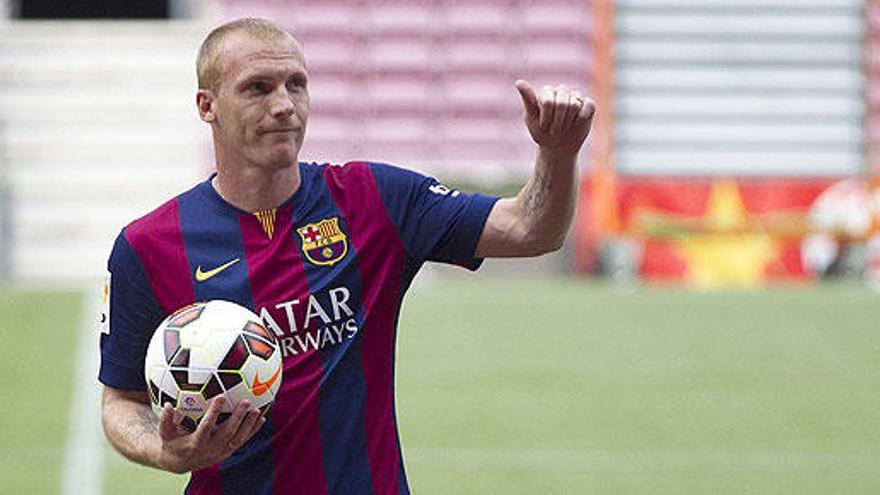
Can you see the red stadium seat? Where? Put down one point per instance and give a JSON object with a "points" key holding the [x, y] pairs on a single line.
{"points": [[410, 56], [430, 83], [483, 57], [386, 96], [478, 20], [556, 18], [336, 56], [333, 95], [487, 97], [399, 140], [399, 18]]}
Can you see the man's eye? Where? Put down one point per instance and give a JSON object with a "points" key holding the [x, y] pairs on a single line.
{"points": [[295, 84], [257, 87]]}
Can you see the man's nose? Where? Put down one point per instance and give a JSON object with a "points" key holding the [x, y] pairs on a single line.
{"points": [[281, 104]]}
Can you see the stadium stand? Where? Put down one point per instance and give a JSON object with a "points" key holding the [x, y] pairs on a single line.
{"points": [[96, 110], [429, 85], [732, 87], [872, 94], [100, 126], [690, 89]]}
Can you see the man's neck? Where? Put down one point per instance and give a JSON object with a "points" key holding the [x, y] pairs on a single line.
{"points": [[256, 189]]}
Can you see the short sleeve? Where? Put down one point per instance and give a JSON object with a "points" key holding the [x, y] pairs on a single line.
{"points": [[434, 223], [133, 315]]}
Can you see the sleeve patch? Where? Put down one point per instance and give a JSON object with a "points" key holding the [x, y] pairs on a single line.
{"points": [[104, 317], [442, 190]]}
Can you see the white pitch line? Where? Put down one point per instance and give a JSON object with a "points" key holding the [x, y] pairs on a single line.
{"points": [[83, 455]]}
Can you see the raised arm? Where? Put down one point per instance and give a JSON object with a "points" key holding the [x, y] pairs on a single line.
{"points": [[536, 220], [135, 431]]}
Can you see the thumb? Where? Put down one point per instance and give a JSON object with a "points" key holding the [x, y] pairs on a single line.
{"points": [[530, 100]]}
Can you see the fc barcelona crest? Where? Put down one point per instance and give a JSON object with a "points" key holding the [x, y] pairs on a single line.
{"points": [[323, 243]]}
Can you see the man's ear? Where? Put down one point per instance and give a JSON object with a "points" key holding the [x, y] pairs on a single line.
{"points": [[205, 104]]}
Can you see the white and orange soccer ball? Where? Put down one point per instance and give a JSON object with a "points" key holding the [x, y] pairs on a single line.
{"points": [[207, 349]]}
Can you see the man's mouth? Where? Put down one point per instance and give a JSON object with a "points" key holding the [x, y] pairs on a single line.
{"points": [[282, 130]]}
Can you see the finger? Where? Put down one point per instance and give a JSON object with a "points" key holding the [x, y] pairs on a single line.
{"points": [[546, 103], [250, 417], [261, 420], [246, 429], [561, 106], [231, 425], [529, 99], [259, 424], [585, 115], [577, 103], [167, 424], [178, 420], [209, 420]]}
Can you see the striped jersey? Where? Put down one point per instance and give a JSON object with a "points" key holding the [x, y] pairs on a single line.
{"points": [[326, 271]]}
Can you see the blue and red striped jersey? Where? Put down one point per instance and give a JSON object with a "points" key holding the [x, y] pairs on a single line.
{"points": [[326, 271]]}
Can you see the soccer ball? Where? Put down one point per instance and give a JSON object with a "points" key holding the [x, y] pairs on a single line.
{"points": [[207, 349]]}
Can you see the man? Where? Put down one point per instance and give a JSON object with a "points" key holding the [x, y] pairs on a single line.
{"points": [[306, 246]]}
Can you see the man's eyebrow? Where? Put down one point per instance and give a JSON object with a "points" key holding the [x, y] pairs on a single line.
{"points": [[257, 76]]}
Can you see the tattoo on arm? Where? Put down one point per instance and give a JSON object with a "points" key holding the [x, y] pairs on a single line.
{"points": [[535, 196], [144, 423]]}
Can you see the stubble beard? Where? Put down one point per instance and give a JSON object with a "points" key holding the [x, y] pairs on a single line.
{"points": [[281, 156]]}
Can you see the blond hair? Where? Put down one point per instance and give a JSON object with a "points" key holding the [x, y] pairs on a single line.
{"points": [[208, 63]]}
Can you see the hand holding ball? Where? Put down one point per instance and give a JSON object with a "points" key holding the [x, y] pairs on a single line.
{"points": [[211, 349]]}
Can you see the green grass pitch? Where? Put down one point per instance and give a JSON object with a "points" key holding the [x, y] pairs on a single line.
{"points": [[558, 387], [39, 331]]}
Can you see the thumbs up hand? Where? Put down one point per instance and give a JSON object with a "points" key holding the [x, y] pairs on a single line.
{"points": [[558, 118]]}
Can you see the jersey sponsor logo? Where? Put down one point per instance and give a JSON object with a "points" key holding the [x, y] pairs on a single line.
{"points": [[259, 388], [309, 324], [323, 243], [201, 276]]}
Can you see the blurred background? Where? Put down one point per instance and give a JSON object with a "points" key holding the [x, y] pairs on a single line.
{"points": [[710, 325]]}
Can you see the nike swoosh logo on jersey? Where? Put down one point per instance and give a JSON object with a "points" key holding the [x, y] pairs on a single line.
{"points": [[259, 388], [202, 276]]}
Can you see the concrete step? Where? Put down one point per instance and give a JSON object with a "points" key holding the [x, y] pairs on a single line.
{"points": [[99, 127], [148, 151], [102, 104], [97, 185], [53, 221], [80, 259]]}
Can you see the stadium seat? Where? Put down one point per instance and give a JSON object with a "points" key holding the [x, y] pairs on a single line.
{"points": [[486, 96], [477, 140], [872, 58], [334, 95], [399, 139], [338, 56], [561, 60], [395, 18], [404, 68], [487, 20], [409, 56], [556, 18], [398, 130], [307, 19], [400, 95], [491, 57], [331, 139]]}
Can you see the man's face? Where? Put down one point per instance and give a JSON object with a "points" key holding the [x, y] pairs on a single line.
{"points": [[261, 104]]}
